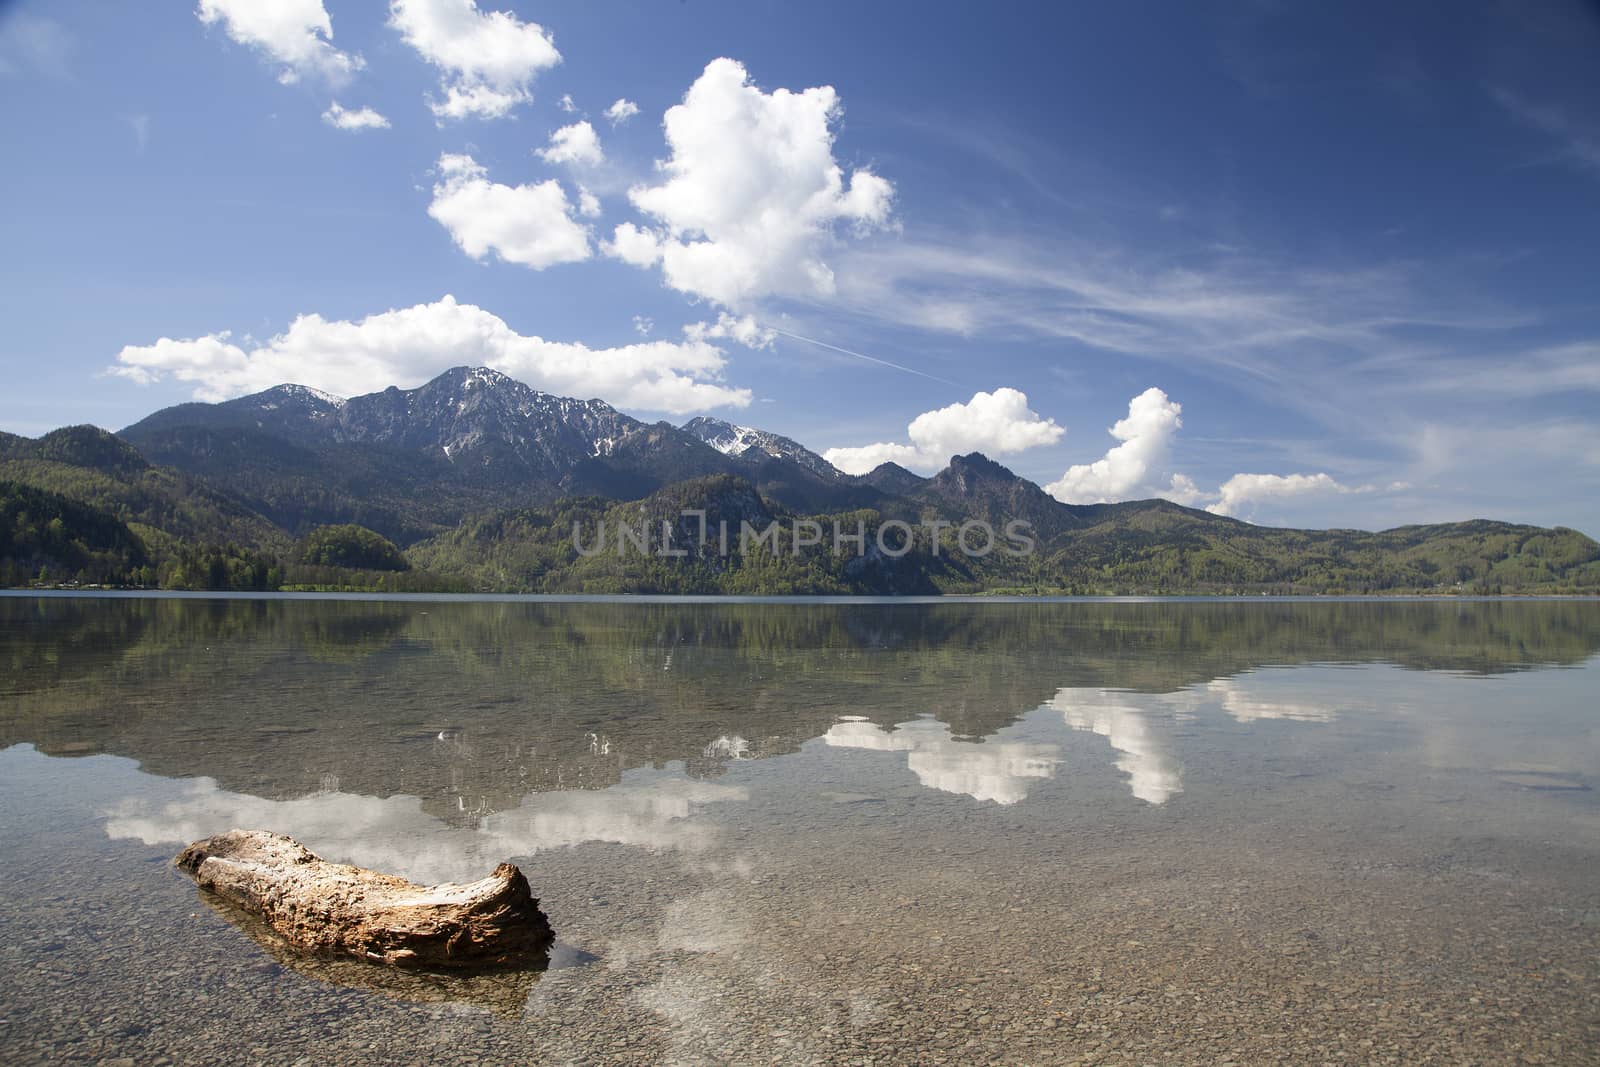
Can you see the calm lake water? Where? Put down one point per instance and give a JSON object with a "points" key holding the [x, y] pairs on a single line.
{"points": [[1153, 832]]}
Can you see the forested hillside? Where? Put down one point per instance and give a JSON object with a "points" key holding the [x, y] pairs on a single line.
{"points": [[474, 482]]}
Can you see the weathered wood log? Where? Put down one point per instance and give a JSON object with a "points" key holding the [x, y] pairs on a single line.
{"points": [[500, 990], [335, 908]]}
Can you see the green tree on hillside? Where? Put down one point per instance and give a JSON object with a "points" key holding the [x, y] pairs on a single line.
{"points": [[352, 546]]}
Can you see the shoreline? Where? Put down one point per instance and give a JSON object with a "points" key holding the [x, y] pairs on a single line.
{"points": [[794, 598]]}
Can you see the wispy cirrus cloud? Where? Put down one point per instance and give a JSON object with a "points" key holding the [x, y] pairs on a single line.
{"points": [[1531, 372], [1316, 341], [1225, 311], [1576, 141], [34, 44]]}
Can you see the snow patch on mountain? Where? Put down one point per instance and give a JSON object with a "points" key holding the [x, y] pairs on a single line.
{"points": [[315, 401], [741, 441]]}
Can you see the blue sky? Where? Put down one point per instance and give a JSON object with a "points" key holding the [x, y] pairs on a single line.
{"points": [[1357, 245]]}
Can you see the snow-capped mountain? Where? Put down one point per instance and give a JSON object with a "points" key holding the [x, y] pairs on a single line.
{"points": [[470, 416], [411, 463], [479, 416], [745, 442], [312, 402], [408, 462], [482, 421], [290, 410]]}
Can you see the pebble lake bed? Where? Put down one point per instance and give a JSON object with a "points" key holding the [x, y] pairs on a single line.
{"points": [[1071, 832]]}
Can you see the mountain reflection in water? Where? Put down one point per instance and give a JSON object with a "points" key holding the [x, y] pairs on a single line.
{"points": [[469, 707]]}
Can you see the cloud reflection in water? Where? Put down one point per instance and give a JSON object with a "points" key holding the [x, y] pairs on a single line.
{"points": [[995, 770], [1152, 770], [394, 834]]}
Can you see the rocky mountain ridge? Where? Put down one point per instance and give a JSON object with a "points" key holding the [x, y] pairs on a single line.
{"points": [[478, 479]]}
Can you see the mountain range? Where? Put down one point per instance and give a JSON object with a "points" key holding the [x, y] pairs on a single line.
{"points": [[411, 463], [475, 450]]}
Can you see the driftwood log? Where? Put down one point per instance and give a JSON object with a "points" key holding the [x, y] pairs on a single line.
{"points": [[501, 991], [333, 908]]}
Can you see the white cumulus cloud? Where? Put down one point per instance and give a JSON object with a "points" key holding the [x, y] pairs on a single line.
{"points": [[1146, 435], [1133, 469], [1183, 490], [632, 245], [996, 424], [1242, 490], [408, 346], [343, 118], [527, 224], [588, 204], [745, 330], [295, 33], [752, 195], [861, 459], [577, 143], [488, 59], [621, 111]]}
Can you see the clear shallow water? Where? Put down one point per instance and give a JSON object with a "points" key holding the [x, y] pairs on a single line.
{"points": [[1175, 832]]}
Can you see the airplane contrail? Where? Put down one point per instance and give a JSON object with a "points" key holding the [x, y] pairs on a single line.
{"points": [[862, 355]]}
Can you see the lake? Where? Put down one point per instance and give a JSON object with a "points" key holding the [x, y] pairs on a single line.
{"points": [[870, 832]]}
